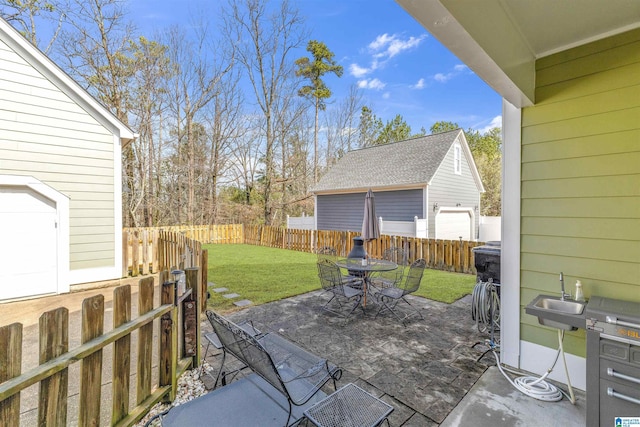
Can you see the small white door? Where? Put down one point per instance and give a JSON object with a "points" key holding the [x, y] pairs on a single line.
{"points": [[28, 243], [453, 225]]}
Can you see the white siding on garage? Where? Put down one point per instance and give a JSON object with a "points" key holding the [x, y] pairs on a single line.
{"points": [[450, 190], [45, 134]]}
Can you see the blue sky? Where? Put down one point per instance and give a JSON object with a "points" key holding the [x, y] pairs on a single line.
{"points": [[399, 66]]}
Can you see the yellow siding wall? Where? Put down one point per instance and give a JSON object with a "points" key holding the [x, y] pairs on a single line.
{"points": [[581, 178], [45, 134]]}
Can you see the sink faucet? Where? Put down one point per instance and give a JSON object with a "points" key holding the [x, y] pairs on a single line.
{"points": [[563, 295]]}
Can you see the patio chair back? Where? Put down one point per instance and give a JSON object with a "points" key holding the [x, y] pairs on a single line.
{"points": [[247, 349], [327, 252], [396, 254], [331, 278], [391, 278], [412, 281]]}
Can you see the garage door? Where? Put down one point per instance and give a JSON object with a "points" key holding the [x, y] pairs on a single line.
{"points": [[453, 225], [28, 248]]}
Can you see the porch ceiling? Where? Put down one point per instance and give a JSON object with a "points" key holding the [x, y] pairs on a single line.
{"points": [[501, 39]]}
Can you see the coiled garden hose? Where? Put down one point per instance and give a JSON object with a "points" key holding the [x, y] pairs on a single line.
{"points": [[483, 296], [537, 387]]}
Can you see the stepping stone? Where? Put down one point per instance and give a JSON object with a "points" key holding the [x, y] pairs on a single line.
{"points": [[242, 303], [229, 296], [218, 290]]}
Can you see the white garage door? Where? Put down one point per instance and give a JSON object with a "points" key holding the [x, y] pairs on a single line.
{"points": [[28, 247], [453, 225]]}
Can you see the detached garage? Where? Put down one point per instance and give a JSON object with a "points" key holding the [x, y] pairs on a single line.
{"points": [[60, 177], [432, 177]]}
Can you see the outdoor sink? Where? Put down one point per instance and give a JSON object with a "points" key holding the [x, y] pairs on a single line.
{"points": [[556, 313], [566, 306]]}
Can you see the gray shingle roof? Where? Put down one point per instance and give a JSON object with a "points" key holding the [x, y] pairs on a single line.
{"points": [[413, 161]]}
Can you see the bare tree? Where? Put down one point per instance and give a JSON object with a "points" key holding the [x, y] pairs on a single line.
{"points": [[148, 105], [265, 39], [26, 15], [342, 126], [226, 125], [196, 84]]}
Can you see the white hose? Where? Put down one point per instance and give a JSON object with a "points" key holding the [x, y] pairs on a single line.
{"points": [[537, 387]]}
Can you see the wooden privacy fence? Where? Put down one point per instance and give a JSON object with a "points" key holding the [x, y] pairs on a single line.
{"points": [[176, 246], [448, 255], [178, 347], [151, 249]]}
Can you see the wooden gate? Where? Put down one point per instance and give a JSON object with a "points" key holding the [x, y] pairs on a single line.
{"points": [[178, 346]]}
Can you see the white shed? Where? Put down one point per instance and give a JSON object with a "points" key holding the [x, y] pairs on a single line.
{"points": [[60, 177]]}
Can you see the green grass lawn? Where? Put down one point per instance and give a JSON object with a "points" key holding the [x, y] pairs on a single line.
{"points": [[263, 274]]}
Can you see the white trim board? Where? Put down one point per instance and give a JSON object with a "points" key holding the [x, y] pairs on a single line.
{"points": [[510, 246]]}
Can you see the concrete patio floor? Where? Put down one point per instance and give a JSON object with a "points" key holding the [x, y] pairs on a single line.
{"points": [[428, 371]]}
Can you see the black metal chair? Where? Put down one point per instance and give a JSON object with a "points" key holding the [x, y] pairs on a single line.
{"points": [[387, 279], [333, 282], [329, 253], [391, 296], [286, 381]]}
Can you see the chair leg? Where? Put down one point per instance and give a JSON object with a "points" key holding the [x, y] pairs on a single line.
{"points": [[215, 384], [414, 309]]}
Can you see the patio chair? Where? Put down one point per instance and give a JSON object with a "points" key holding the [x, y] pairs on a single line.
{"points": [[390, 297], [333, 282], [286, 381], [388, 279], [329, 253]]}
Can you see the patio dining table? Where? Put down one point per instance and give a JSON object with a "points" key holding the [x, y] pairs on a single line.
{"points": [[371, 265]]}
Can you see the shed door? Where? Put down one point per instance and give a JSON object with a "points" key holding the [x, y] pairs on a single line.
{"points": [[28, 247], [453, 225]]}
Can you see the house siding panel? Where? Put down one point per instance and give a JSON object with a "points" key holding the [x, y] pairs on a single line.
{"points": [[45, 134], [345, 211], [581, 178], [449, 189]]}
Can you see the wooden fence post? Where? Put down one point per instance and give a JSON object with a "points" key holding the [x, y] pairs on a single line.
{"points": [[204, 271], [91, 366], [191, 310], [54, 341], [145, 340], [168, 337], [125, 253], [121, 355], [10, 367]]}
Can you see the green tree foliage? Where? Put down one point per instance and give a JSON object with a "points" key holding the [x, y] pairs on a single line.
{"points": [[369, 127], [374, 132], [313, 70], [486, 149]]}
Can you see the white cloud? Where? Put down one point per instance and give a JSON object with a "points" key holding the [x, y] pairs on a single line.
{"points": [[386, 95], [496, 122], [383, 48], [357, 71], [374, 84], [419, 84], [445, 77], [387, 46]]}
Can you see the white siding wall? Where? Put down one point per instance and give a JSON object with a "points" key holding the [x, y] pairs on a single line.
{"points": [[45, 134], [447, 189]]}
